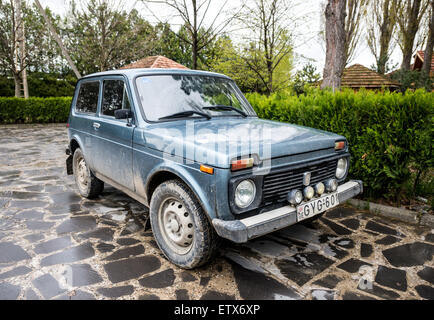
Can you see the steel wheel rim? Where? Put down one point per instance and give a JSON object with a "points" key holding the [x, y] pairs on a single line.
{"points": [[176, 225], [82, 174]]}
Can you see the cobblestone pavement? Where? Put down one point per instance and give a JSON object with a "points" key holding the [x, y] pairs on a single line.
{"points": [[56, 245]]}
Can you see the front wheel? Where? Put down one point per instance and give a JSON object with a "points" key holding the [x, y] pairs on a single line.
{"points": [[180, 226]]}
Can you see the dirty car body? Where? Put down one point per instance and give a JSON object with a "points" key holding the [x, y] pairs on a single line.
{"points": [[140, 129]]}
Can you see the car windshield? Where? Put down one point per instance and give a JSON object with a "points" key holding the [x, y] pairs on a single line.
{"points": [[164, 96]]}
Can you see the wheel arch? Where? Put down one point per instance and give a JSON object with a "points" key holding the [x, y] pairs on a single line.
{"points": [[74, 145], [164, 174], [76, 142]]}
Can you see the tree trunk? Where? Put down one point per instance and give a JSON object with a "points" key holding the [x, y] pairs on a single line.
{"points": [[426, 67], [20, 52], [25, 84], [410, 34], [335, 41], [58, 40], [194, 49], [385, 37], [24, 66], [406, 59], [18, 86], [270, 80], [194, 35]]}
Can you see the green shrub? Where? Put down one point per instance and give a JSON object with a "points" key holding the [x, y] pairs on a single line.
{"points": [[41, 85], [390, 134], [34, 110]]}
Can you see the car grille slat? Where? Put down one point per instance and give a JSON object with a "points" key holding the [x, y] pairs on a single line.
{"points": [[278, 182], [276, 185]]}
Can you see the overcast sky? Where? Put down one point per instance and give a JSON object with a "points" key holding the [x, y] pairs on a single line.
{"points": [[307, 47]]}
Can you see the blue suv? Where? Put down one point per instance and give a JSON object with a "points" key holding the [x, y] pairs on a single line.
{"points": [[188, 145]]}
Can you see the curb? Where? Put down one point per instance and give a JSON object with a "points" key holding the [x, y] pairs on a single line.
{"points": [[394, 213]]}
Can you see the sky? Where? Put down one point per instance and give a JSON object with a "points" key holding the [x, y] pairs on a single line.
{"points": [[308, 47]]}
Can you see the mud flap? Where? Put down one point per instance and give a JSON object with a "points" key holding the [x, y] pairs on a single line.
{"points": [[69, 169]]}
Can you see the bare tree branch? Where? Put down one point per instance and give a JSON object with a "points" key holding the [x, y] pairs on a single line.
{"points": [[194, 13]]}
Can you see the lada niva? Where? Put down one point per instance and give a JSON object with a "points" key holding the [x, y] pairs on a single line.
{"points": [[189, 146]]}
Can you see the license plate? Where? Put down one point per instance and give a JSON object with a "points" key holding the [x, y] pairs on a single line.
{"points": [[317, 206]]}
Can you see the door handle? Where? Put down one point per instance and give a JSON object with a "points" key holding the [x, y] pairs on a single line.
{"points": [[96, 125]]}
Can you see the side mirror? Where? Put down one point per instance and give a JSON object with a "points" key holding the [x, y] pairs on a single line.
{"points": [[123, 114]]}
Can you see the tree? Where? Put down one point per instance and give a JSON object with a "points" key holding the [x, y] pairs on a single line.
{"points": [[21, 55], [229, 61], [195, 14], [306, 76], [269, 42], [13, 52], [409, 14], [381, 26], [102, 36], [356, 10], [426, 67], [57, 38], [412, 79], [335, 44]]}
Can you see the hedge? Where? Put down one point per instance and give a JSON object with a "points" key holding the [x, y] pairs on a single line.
{"points": [[390, 134], [41, 85], [34, 110]]}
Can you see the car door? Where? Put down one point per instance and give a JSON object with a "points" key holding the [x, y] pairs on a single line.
{"points": [[113, 137], [84, 115]]}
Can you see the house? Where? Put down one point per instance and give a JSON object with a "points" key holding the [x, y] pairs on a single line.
{"points": [[358, 76], [156, 62], [418, 62]]}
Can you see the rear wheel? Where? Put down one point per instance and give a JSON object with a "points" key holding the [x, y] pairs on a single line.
{"points": [[180, 226], [88, 185]]}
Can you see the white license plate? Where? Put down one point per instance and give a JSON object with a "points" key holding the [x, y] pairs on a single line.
{"points": [[317, 206]]}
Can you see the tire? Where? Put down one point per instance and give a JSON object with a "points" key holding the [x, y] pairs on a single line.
{"points": [[174, 201], [88, 185]]}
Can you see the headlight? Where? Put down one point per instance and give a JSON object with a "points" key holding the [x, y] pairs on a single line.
{"points": [[309, 192], [320, 188], [331, 185], [245, 193], [341, 168], [295, 197]]}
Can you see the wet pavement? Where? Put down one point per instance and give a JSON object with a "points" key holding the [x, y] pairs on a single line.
{"points": [[56, 245]]}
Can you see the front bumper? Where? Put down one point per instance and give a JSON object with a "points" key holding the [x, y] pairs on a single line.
{"points": [[241, 231]]}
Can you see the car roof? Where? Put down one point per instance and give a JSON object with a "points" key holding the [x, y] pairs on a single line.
{"points": [[132, 73]]}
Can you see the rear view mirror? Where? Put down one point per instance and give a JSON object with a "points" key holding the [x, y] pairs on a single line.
{"points": [[123, 114]]}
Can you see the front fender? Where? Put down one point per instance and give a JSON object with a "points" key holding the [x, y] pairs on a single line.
{"points": [[202, 184]]}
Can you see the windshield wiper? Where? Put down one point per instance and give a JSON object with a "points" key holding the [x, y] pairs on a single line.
{"points": [[226, 108], [186, 114]]}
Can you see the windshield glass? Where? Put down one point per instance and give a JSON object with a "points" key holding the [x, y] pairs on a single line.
{"points": [[165, 95]]}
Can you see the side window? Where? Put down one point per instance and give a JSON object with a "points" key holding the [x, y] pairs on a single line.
{"points": [[115, 97], [87, 100]]}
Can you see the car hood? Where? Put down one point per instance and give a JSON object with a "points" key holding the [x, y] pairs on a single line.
{"points": [[219, 140]]}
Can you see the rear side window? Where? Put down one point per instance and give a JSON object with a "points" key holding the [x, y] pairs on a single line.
{"points": [[87, 100], [115, 97]]}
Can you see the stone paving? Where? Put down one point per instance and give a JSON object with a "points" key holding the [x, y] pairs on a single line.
{"points": [[56, 245]]}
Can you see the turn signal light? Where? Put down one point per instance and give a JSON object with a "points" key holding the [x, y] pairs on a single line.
{"points": [[340, 145], [242, 164], [206, 169]]}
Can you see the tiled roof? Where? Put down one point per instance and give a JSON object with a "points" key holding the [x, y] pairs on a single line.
{"points": [[358, 76], [158, 62], [419, 58]]}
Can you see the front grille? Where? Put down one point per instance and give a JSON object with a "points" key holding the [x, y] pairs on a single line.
{"points": [[277, 184]]}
